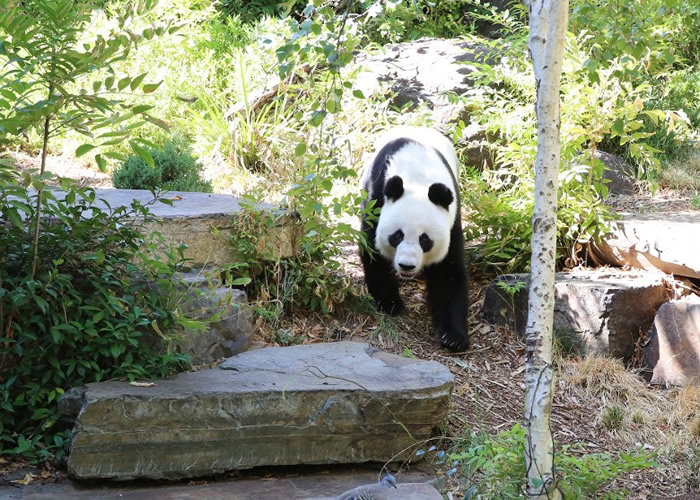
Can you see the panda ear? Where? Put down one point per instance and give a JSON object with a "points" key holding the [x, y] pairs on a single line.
{"points": [[441, 195], [393, 189]]}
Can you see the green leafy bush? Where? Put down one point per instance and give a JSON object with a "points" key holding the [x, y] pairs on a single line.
{"points": [[94, 308], [312, 279], [398, 21], [252, 10], [58, 77], [605, 106], [174, 168], [494, 466]]}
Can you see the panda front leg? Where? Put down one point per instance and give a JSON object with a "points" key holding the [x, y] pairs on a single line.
{"points": [[448, 300], [382, 283], [380, 278]]}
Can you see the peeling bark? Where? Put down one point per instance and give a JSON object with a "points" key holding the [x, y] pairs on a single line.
{"points": [[548, 20]]}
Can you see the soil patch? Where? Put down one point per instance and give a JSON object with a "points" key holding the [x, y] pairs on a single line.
{"points": [[64, 166]]}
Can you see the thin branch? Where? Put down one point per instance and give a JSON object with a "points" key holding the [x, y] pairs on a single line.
{"points": [[39, 195]]}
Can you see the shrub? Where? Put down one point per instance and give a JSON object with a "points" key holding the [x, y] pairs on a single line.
{"points": [[311, 279], [607, 106], [90, 312], [494, 466], [253, 10], [174, 169], [398, 21]]}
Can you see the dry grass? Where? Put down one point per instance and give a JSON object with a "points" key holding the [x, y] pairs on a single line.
{"points": [[650, 416], [631, 414], [683, 174]]}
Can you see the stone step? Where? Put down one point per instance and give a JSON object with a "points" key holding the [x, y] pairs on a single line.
{"points": [[318, 485], [330, 403], [665, 241], [599, 311], [193, 219]]}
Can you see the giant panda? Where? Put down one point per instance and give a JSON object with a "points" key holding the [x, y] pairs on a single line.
{"points": [[412, 178]]}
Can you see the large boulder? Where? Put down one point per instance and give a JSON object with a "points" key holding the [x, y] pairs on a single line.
{"points": [[618, 173], [672, 355], [666, 241], [599, 312], [422, 72], [314, 404]]}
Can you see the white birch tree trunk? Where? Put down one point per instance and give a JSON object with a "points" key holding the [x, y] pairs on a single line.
{"points": [[548, 20]]}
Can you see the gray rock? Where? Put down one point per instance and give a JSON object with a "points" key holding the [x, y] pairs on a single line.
{"points": [[673, 352], [70, 403], [618, 172], [595, 311], [205, 277], [224, 320], [343, 402], [666, 241], [422, 71]]}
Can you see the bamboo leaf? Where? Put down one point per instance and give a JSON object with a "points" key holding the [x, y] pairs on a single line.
{"points": [[141, 108], [137, 81], [143, 153], [151, 87], [123, 83], [85, 148]]}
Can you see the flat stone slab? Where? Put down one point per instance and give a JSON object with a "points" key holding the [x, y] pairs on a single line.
{"points": [[665, 241], [343, 402], [194, 218], [317, 485], [597, 311]]}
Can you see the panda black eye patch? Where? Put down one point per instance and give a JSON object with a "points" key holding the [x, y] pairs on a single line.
{"points": [[396, 238], [425, 242]]}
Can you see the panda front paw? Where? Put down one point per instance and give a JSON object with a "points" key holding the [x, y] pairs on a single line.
{"points": [[393, 307], [456, 341]]}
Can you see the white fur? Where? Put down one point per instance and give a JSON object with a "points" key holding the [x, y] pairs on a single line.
{"points": [[424, 135], [419, 167]]}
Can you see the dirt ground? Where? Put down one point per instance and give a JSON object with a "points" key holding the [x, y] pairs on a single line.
{"points": [[64, 166], [489, 378]]}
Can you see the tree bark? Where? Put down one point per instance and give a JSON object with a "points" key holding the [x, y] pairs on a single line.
{"points": [[548, 20]]}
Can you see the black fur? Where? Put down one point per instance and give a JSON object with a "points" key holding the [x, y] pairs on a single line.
{"points": [[446, 280], [396, 238], [425, 242], [394, 188], [440, 194], [447, 287]]}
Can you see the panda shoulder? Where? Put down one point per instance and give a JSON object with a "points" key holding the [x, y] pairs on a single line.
{"points": [[426, 136]]}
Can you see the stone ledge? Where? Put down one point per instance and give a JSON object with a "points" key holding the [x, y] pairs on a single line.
{"points": [[668, 242], [342, 402], [194, 218], [600, 311]]}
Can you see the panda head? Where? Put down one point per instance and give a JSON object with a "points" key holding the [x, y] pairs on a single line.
{"points": [[414, 225]]}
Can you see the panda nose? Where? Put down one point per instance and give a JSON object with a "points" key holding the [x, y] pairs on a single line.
{"points": [[407, 267]]}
